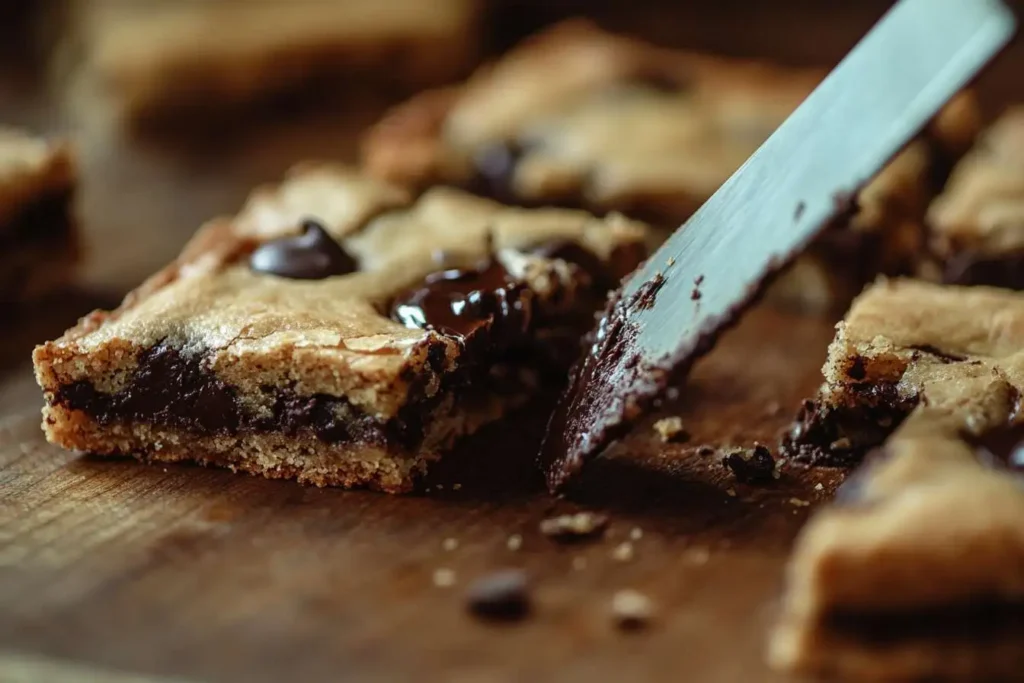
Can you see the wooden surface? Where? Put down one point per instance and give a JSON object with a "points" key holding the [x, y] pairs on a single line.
{"points": [[110, 570]]}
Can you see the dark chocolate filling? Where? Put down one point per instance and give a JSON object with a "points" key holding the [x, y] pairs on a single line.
{"points": [[45, 218], [485, 308], [981, 620], [994, 270], [841, 436], [175, 389]]}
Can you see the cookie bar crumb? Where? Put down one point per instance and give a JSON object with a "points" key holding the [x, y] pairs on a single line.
{"points": [[671, 430], [631, 609], [575, 526]]}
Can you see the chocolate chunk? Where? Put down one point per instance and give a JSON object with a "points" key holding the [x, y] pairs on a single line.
{"points": [[495, 166], [751, 465], [501, 596], [313, 255], [464, 302]]}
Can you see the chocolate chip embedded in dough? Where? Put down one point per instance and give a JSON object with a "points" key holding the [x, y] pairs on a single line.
{"points": [[312, 255]]}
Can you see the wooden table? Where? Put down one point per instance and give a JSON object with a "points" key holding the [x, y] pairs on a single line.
{"points": [[117, 571]]}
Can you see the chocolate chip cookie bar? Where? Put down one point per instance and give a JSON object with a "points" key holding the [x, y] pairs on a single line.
{"points": [[157, 59], [337, 331], [915, 572], [38, 238], [976, 226], [579, 117], [908, 343]]}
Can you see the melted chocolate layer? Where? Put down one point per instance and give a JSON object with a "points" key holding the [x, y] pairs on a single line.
{"points": [[841, 436], [178, 390], [995, 270], [975, 621]]}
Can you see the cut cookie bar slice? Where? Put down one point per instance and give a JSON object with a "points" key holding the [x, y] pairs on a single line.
{"points": [[156, 58], [976, 226], [906, 343], [336, 332], [916, 572], [38, 237], [579, 117]]}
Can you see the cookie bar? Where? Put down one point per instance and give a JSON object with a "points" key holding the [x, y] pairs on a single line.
{"points": [[38, 238], [976, 226], [906, 343], [915, 572], [337, 332], [544, 125], [157, 58]]}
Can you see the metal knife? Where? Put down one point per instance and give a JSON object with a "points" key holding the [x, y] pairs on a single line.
{"points": [[670, 311]]}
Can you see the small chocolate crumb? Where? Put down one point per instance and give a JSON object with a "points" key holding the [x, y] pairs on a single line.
{"points": [[751, 465], [670, 429], [444, 578], [623, 552], [706, 451], [502, 596], [800, 208], [575, 526], [695, 294], [514, 542], [699, 280], [631, 609]]}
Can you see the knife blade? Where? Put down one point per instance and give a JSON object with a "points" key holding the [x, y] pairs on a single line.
{"points": [[670, 311]]}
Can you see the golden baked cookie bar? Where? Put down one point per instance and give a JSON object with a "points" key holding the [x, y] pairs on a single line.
{"points": [[916, 572], [906, 343], [579, 117], [155, 59], [38, 235], [976, 226], [336, 331]]}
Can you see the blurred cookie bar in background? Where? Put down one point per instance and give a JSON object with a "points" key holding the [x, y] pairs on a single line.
{"points": [[576, 116], [163, 61], [976, 227], [38, 239]]}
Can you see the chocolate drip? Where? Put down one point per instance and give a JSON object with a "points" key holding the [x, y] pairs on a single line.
{"points": [[313, 255], [463, 303]]}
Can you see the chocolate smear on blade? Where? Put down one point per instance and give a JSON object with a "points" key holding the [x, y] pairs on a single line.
{"points": [[311, 255], [594, 410]]}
